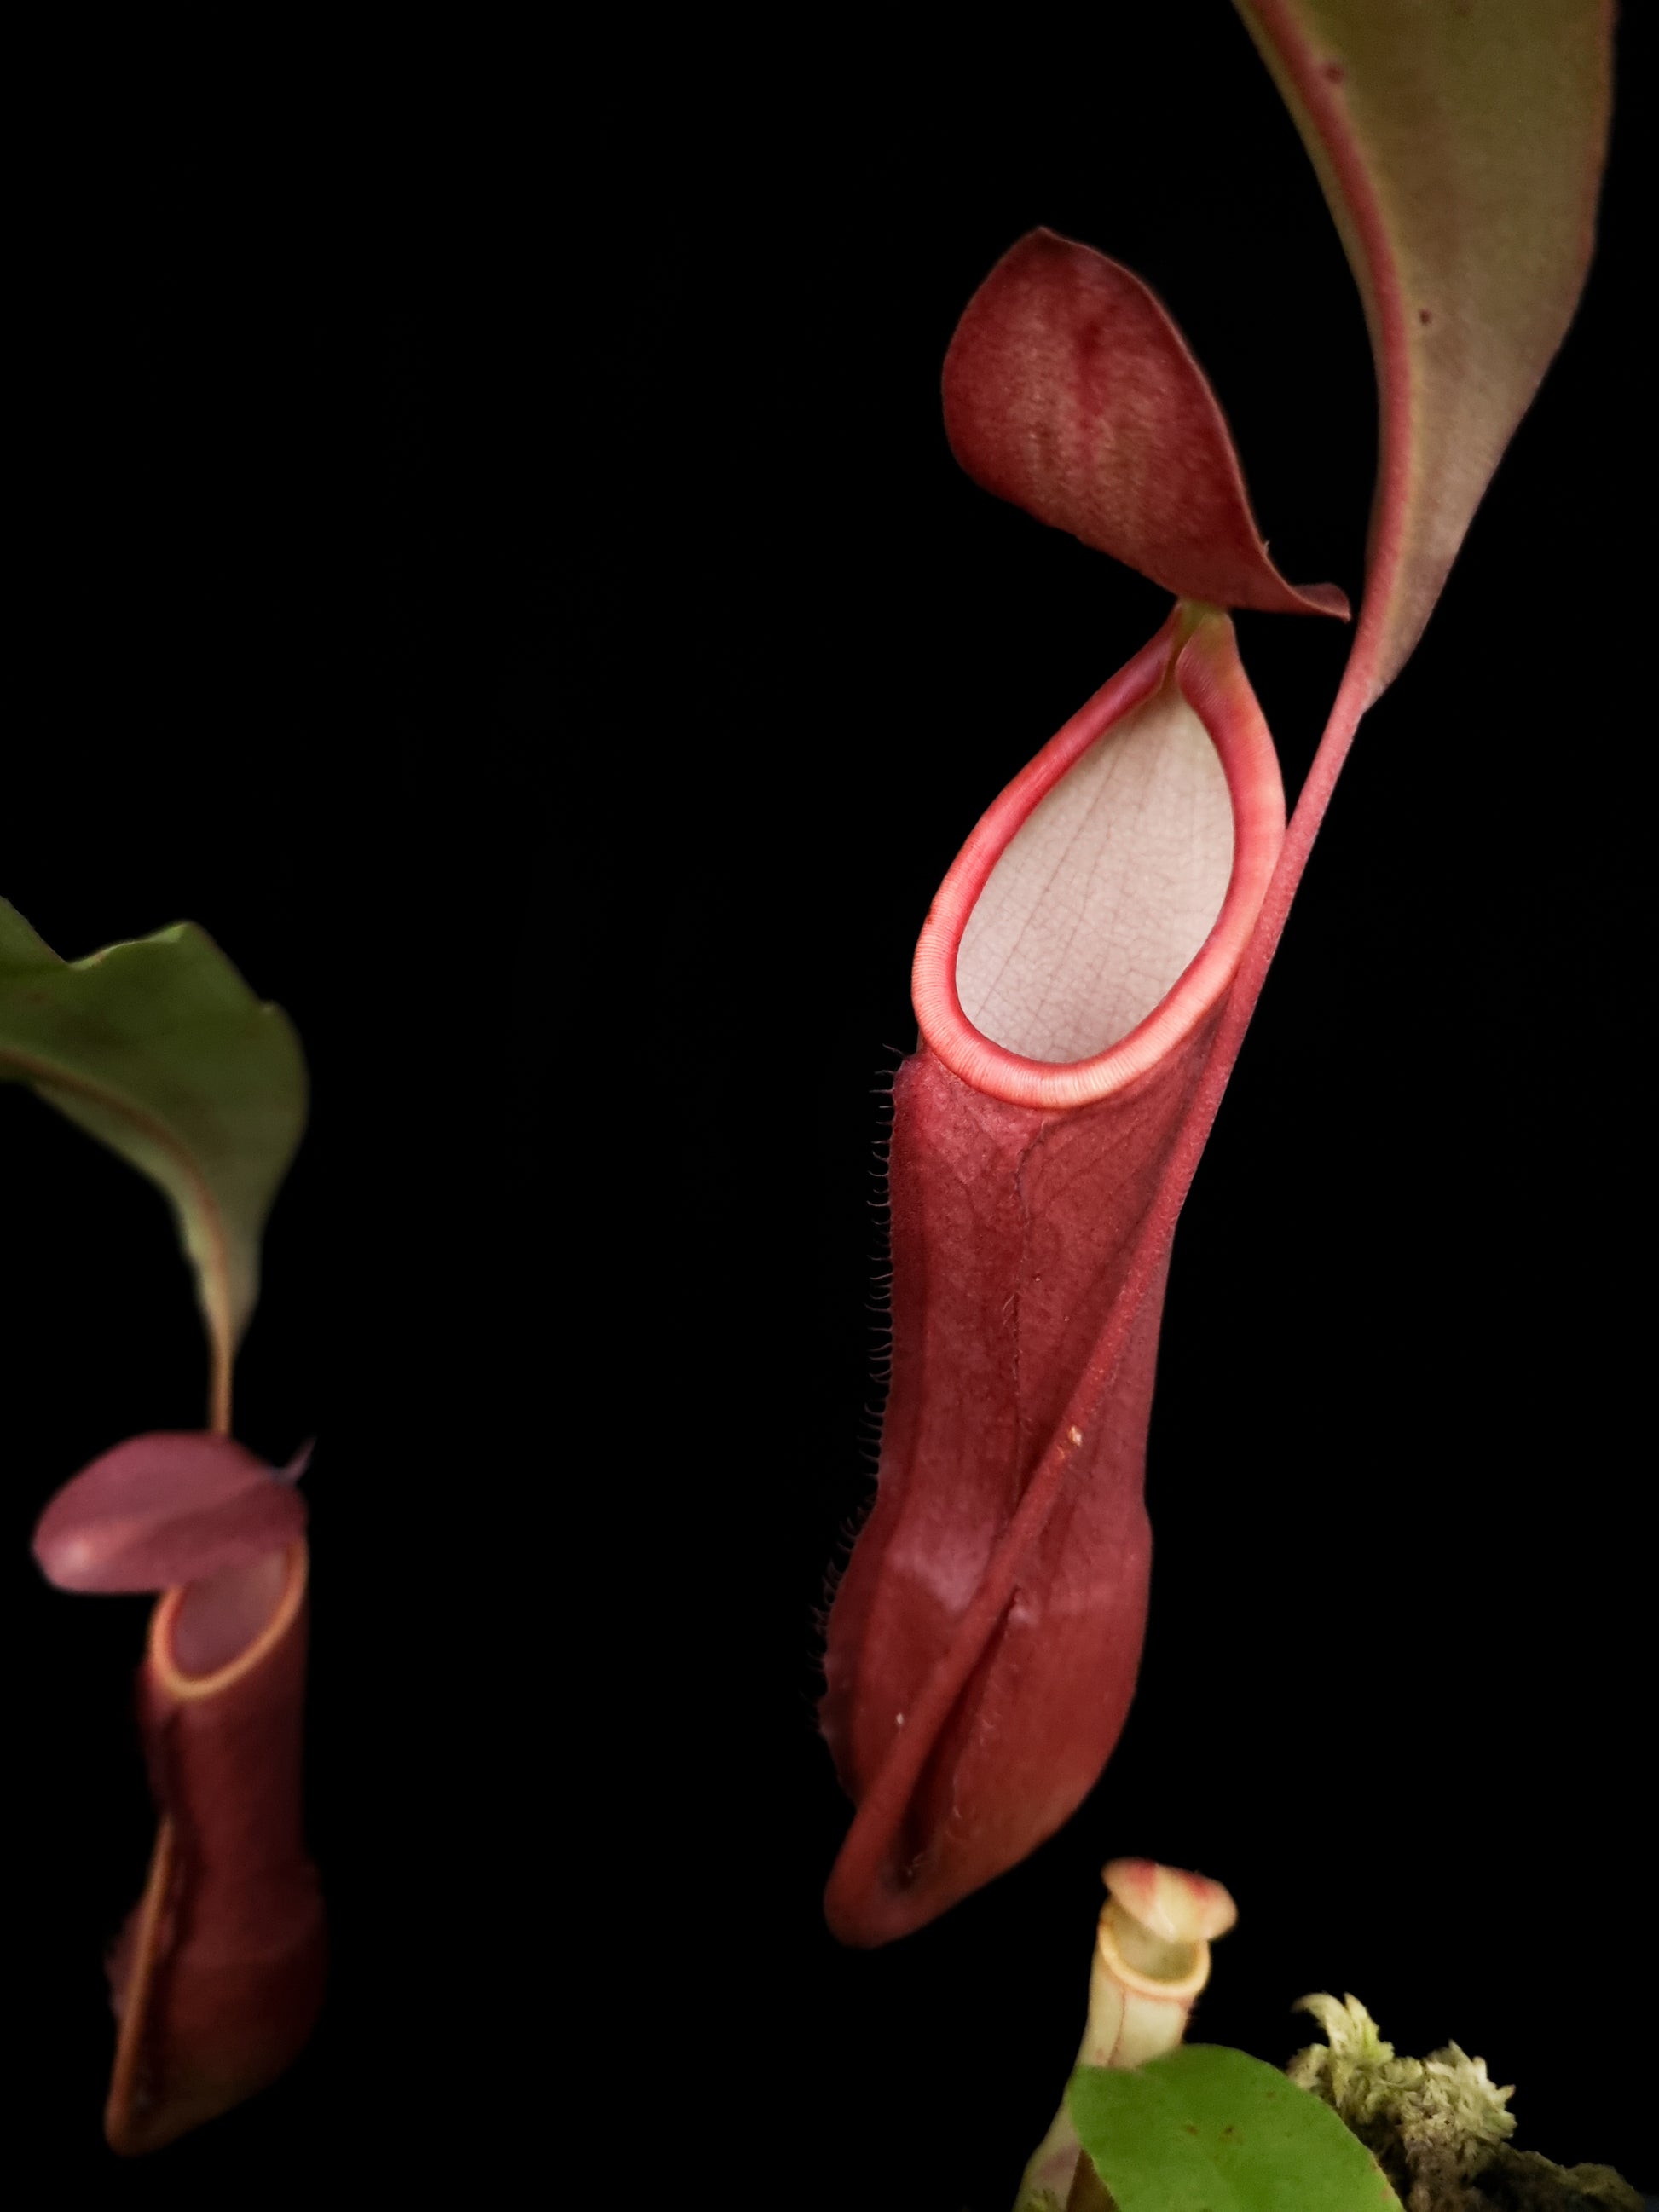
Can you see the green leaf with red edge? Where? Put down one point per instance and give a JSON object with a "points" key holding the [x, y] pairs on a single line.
{"points": [[1461, 150], [159, 1050]]}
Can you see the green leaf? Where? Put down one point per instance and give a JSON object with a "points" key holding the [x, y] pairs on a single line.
{"points": [[159, 1050], [1207, 2129], [1461, 150]]}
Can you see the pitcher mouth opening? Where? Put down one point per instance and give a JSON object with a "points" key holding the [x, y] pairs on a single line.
{"points": [[1099, 910], [205, 1635]]}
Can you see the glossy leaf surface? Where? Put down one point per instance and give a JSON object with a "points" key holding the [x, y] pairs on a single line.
{"points": [[1210, 2129]]}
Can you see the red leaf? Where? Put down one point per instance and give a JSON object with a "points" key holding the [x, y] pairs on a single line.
{"points": [[1069, 391], [165, 1509]]}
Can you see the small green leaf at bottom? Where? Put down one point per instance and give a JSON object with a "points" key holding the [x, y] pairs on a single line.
{"points": [[1208, 2129]]}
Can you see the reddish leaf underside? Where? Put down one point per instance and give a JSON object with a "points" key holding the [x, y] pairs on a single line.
{"points": [[1460, 151]]}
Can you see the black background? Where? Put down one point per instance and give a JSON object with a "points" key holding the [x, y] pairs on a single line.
{"points": [[506, 579]]}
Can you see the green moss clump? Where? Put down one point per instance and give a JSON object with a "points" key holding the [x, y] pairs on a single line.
{"points": [[1438, 2126]]}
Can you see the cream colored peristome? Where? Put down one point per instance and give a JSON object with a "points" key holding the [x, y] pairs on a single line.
{"points": [[1099, 910], [1151, 1958]]}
